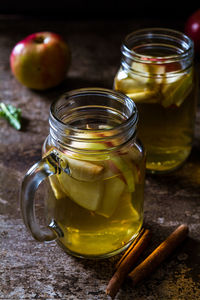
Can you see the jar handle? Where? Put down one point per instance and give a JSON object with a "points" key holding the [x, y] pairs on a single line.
{"points": [[46, 167]]}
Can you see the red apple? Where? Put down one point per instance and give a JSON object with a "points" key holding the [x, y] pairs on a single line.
{"points": [[192, 29], [41, 60]]}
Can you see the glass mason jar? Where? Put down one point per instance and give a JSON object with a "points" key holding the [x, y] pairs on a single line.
{"points": [[157, 73], [95, 169]]}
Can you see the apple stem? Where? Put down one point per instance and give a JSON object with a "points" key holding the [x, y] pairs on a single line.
{"points": [[39, 39]]}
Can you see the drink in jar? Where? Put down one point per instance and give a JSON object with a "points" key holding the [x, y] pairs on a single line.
{"points": [[159, 76], [95, 167], [99, 206]]}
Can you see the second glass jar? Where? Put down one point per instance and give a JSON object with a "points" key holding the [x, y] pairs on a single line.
{"points": [[157, 73]]}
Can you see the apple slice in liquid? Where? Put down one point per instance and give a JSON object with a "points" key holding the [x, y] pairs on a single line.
{"points": [[115, 160], [86, 194], [113, 190], [174, 93], [55, 185], [83, 184], [90, 185]]}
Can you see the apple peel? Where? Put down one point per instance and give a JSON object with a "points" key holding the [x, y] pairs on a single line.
{"points": [[41, 60]]}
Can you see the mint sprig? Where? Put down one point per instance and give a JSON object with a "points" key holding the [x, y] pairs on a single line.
{"points": [[12, 114]]}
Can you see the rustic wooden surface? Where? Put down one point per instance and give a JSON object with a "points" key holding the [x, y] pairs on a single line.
{"points": [[32, 270]]}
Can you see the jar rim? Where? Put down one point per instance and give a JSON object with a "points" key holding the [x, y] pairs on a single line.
{"points": [[60, 129], [166, 34]]}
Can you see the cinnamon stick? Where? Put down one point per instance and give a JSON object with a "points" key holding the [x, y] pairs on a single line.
{"points": [[133, 244], [159, 254], [127, 261]]}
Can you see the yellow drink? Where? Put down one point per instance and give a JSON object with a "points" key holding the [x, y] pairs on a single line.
{"points": [[166, 109], [156, 72], [95, 168], [99, 206]]}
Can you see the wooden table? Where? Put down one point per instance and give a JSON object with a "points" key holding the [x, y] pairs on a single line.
{"points": [[32, 270]]}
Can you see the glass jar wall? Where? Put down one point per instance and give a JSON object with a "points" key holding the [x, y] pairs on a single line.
{"points": [[157, 73]]}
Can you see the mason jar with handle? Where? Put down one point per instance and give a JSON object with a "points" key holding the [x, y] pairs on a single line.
{"points": [[157, 72], [95, 168]]}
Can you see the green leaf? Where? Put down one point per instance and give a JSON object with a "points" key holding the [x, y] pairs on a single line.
{"points": [[12, 114]]}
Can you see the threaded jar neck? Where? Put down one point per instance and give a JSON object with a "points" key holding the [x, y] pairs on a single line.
{"points": [[88, 119], [158, 46]]}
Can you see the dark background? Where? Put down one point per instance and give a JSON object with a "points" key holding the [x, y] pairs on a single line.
{"points": [[103, 9]]}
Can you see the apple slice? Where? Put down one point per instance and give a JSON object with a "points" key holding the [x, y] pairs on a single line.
{"points": [[119, 166], [148, 96], [79, 169], [86, 181], [156, 73], [83, 170], [144, 85], [55, 185], [113, 190], [116, 162], [130, 83], [81, 184], [153, 73], [176, 92], [86, 194]]}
